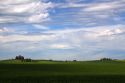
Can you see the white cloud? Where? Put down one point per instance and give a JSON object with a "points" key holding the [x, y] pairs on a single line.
{"points": [[5, 30], [37, 18], [106, 32], [94, 6], [32, 38], [73, 1], [60, 46], [40, 27], [25, 11], [71, 5], [3, 2], [103, 6]]}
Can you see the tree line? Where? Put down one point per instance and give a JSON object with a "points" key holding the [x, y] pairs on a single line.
{"points": [[20, 57]]}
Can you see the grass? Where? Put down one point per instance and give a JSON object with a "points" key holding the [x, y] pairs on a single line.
{"points": [[62, 72]]}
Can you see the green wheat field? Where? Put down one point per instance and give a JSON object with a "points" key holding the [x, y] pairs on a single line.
{"points": [[13, 71]]}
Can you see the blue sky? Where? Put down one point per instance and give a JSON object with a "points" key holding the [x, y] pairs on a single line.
{"points": [[62, 29]]}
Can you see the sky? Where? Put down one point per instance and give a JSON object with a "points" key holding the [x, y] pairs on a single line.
{"points": [[62, 29]]}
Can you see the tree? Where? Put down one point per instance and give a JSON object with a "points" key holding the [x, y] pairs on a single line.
{"points": [[74, 60], [20, 57]]}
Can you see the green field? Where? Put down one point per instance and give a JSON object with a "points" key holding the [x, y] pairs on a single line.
{"points": [[62, 72]]}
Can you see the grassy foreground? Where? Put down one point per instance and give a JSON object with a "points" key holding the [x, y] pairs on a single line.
{"points": [[62, 72]]}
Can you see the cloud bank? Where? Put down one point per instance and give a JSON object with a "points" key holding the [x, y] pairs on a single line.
{"points": [[86, 43]]}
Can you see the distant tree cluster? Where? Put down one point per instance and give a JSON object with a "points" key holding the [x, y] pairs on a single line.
{"points": [[74, 60], [20, 57], [105, 59], [28, 60]]}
